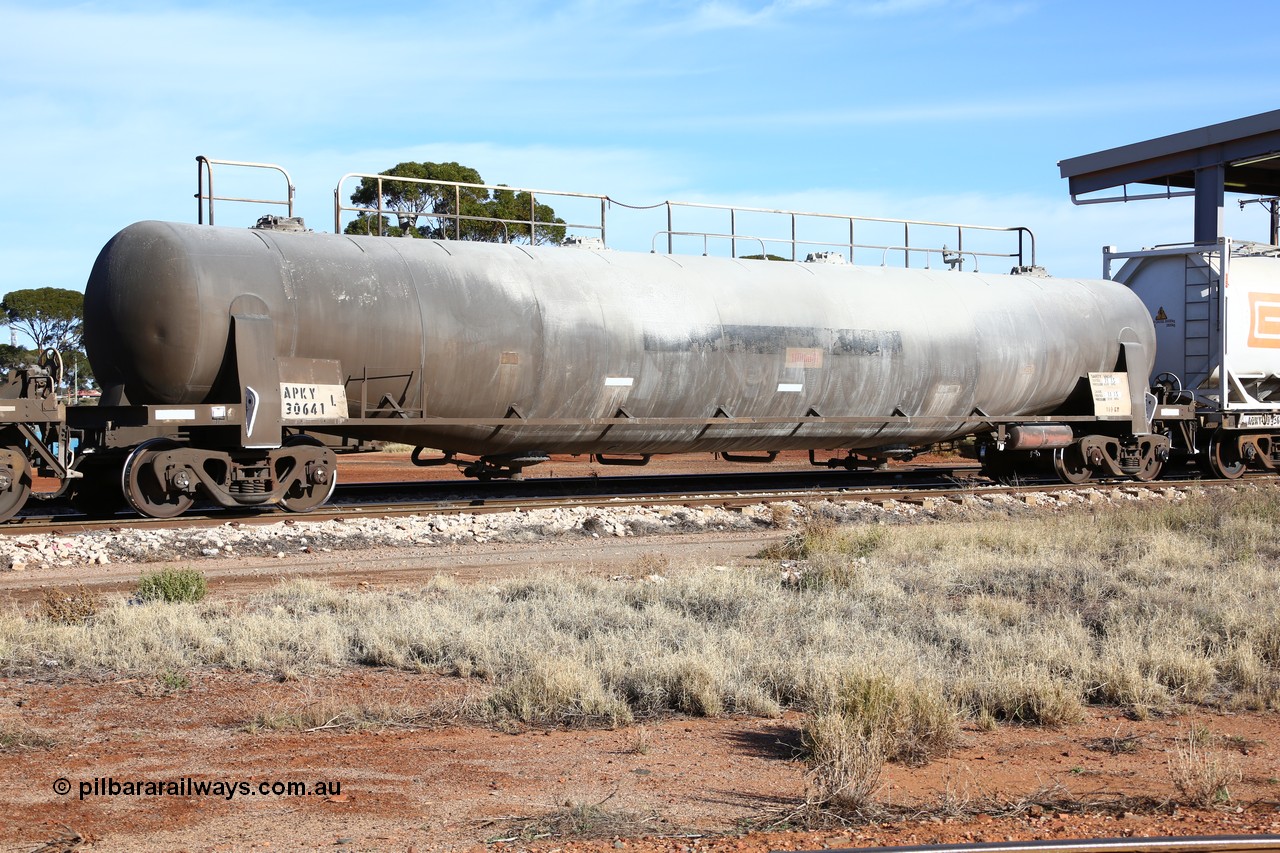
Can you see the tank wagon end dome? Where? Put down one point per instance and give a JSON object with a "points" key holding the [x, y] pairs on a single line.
{"points": [[144, 323]]}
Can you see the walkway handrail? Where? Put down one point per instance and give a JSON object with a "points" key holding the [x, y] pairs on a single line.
{"points": [[457, 217], [204, 165], [1026, 239]]}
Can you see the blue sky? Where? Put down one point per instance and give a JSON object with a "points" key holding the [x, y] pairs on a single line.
{"points": [[954, 110]]}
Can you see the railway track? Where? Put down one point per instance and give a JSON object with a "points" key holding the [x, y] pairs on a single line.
{"points": [[924, 486]]}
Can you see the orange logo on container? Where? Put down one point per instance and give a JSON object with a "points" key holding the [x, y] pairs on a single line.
{"points": [[1264, 320]]}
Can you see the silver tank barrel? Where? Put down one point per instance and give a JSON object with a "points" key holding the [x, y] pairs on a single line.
{"points": [[548, 332]]}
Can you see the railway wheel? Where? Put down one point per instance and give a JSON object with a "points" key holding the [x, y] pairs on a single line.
{"points": [[319, 478], [1151, 466], [149, 490], [1069, 464], [1224, 457], [15, 481]]}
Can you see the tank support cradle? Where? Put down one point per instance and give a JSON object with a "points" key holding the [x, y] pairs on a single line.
{"points": [[162, 478]]}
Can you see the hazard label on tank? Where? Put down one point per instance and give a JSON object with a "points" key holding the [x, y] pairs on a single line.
{"points": [[305, 402]]}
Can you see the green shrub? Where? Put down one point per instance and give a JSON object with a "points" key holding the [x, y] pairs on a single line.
{"points": [[173, 585]]}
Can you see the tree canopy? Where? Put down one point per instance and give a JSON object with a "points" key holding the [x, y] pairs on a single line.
{"points": [[52, 317], [452, 213]]}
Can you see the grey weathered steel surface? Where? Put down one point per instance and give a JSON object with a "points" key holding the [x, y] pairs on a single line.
{"points": [[463, 330]]}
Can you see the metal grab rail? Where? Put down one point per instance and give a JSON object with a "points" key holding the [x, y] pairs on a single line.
{"points": [[457, 217], [1023, 233], [205, 165], [951, 257], [707, 235]]}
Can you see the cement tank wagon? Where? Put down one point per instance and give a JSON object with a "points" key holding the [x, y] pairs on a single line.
{"points": [[426, 336]]}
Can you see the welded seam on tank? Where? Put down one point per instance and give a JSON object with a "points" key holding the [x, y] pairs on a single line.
{"points": [[418, 287], [289, 289]]}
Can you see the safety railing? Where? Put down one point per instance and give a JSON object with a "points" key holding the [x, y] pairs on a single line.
{"points": [[446, 206], [707, 237], [1024, 254], [446, 203], [204, 201], [953, 259]]}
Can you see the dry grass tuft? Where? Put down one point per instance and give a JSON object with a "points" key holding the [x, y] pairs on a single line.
{"points": [[819, 534], [652, 563], [845, 756], [1027, 696], [641, 741], [912, 723], [14, 738], [576, 819], [331, 713], [559, 690], [1202, 775], [865, 721]]}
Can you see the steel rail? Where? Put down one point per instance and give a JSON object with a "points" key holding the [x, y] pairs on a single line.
{"points": [[1163, 844]]}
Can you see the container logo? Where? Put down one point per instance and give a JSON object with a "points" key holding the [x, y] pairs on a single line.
{"points": [[1264, 320]]}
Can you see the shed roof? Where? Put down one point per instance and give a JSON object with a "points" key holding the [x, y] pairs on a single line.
{"points": [[1247, 148]]}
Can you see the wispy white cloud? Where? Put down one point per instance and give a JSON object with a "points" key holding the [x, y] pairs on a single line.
{"points": [[724, 14], [714, 15]]}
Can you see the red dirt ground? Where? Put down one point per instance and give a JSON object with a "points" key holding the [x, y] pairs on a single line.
{"points": [[683, 785], [445, 787]]}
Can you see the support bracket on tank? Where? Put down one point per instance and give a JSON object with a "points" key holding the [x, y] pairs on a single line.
{"points": [[811, 413], [445, 459], [254, 342], [388, 403], [721, 412], [636, 461], [513, 413], [769, 456], [621, 413]]}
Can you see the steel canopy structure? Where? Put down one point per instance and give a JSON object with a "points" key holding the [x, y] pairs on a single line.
{"points": [[1239, 156]]}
